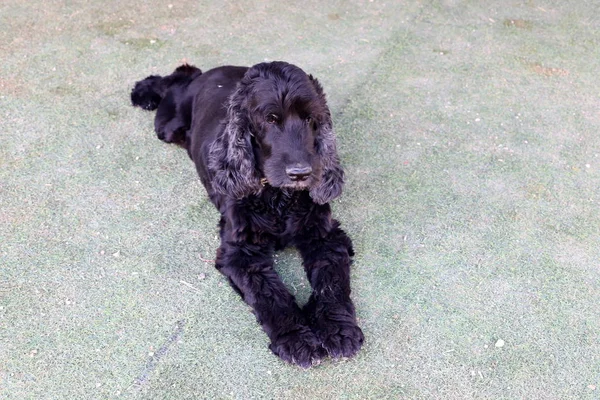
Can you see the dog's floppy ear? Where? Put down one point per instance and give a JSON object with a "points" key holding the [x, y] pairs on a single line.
{"points": [[231, 158], [332, 177]]}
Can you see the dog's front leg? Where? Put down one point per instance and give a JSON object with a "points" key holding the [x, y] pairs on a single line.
{"points": [[249, 268], [327, 258]]}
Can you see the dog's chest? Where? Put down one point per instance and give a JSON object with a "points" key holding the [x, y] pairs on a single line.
{"points": [[278, 212]]}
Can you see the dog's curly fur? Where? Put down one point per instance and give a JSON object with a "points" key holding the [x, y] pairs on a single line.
{"points": [[263, 145]]}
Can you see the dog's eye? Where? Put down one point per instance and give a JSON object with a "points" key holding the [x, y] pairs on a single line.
{"points": [[272, 119], [310, 121]]}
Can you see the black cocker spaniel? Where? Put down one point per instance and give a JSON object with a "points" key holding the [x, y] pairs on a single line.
{"points": [[264, 147]]}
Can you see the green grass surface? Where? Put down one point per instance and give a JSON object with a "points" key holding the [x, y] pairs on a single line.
{"points": [[469, 135]]}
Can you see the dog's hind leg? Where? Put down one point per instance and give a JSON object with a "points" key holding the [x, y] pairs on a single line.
{"points": [[170, 97], [168, 123]]}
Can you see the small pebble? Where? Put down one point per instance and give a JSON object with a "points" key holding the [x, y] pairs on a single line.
{"points": [[500, 343]]}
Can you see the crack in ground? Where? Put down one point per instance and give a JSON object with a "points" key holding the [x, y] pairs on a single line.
{"points": [[153, 361]]}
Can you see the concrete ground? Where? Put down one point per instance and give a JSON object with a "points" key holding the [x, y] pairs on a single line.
{"points": [[469, 135]]}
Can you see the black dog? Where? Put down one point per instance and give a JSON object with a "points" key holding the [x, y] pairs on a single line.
{"points": [[263, 145]]}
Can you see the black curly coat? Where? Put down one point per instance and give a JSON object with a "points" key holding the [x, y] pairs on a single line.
{"points": [[262, 142]]}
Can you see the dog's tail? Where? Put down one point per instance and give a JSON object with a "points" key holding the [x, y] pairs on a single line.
{"points": [[149, 92]]}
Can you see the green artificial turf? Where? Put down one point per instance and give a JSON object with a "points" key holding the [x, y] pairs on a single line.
{"points": [[469, 135]]}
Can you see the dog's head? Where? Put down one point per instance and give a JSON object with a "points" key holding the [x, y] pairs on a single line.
{"points": [[279, 131]]}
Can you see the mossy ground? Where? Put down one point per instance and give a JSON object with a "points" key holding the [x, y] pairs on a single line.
{"points": [[469, 135]]}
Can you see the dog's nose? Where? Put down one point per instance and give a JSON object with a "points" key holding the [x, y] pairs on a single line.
{"points": [[298, 173]]}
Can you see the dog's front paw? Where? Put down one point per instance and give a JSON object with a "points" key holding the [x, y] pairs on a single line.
{"points": [[340, 339], [300, 347], [335, 326]]}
